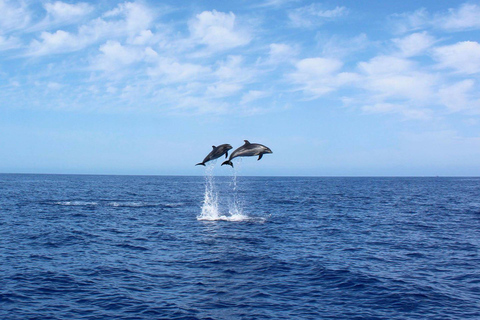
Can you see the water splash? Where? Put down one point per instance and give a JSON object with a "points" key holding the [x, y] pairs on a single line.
{"points": [[210, 201], [210, 206], [235, 207]]}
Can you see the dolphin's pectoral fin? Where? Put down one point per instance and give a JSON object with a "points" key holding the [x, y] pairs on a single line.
{"points": [[200, 164], [260, 156], [226, 154]]}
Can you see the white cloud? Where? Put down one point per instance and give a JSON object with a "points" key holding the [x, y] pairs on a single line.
{"points": [[275, 3], [403, 110], [253, 95], [280, 52], [130, 20], [169, 70], [65, 12], [231, 68], [313, 67], [464, 57], [221, 90], [311, 15], [460, 96], [218, 30], [395, 78], [60, 14], [414, 44], [409, 21], [135, 17], [58, 42], [144, 37], [319, 76], [231, 76], [385, 65], [340, 47], [464, 18], [115, 56], [396, 85], [7, 43], [15, 16], [115, 52]]}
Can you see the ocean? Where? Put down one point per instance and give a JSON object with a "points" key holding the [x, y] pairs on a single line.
{"points": [[237, 247]]}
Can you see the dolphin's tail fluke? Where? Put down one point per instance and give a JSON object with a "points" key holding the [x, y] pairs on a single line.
{"points": [[228, 162], [200, 164]]}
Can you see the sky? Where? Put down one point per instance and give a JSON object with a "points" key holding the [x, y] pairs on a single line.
{"points": [[333, 88]]}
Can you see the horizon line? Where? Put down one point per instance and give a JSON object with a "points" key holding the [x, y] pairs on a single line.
{"points": [[271, 176]]}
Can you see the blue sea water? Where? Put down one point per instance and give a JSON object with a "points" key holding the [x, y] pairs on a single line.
{"points": [[235, 247]]}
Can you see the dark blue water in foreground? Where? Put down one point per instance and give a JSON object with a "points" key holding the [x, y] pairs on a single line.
{"points": [[131, 247]]}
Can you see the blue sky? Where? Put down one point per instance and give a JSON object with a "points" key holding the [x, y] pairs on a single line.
{"points": [[349, 88]]}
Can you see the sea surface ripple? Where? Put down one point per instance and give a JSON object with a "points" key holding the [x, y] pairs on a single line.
{"points": [[134, 247]]}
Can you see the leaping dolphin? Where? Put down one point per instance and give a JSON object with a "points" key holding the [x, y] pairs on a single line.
{"points": [[217, 152], [248, 150]]}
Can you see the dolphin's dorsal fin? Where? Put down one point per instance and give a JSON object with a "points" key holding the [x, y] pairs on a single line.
{"points": [[246, 141], [213, 147]]}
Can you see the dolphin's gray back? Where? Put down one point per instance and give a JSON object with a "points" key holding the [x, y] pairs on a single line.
{"points": [[248, 150], [216, 153]]}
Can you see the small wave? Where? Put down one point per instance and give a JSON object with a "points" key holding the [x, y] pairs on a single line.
{"points": [[76, 203], [141, 204], [117, 203], [128, 204], [174, 205]]}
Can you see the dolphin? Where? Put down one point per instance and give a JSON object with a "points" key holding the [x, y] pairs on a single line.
{"points": [[217, 152], [248, 150]]}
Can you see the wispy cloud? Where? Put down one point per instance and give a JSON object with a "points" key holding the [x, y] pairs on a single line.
{"points": [[465, 17], [314, 14], [129, 20], [342, 47], [388, 77], [115, 56], [15, 16], [253, 95], [9, 42], [276, 3], [403, 110], [414, 44], [209, 61], [60, 14], [463, 57], [281, 53], [319, 76], [218, 30], [461, 96]]}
